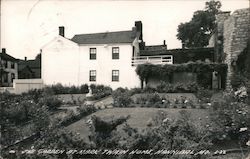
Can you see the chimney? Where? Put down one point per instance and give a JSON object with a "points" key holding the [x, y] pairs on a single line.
{"points": [[61, 31], [220, 19], [3, 50], [164, 44], [25, 58], [138, 25]]}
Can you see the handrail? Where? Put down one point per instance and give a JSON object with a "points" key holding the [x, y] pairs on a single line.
{"points": [[165, 59]]}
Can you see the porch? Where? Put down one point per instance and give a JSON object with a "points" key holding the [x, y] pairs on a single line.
{"points": [[155, 60]]}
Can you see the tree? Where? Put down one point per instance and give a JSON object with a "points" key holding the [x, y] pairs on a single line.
{"points": [[196, 33]]}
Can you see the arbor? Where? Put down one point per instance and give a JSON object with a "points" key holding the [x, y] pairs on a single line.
{"points": [[196, 33]]}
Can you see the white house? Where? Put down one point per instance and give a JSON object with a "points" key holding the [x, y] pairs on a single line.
{"points": [[100, 58]]}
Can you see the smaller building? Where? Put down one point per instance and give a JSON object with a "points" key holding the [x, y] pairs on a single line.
{"points": [[8, 69], [160, 55], [29, 69]]}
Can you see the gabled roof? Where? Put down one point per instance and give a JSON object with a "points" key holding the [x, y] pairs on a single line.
{"points": [[7, 57], [105, 38]]}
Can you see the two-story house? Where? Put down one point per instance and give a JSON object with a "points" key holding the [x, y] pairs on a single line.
{"points": [[99, 58], [8, 69]]}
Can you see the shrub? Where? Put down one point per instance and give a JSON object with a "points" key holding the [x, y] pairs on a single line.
{"points": [[166, 87], [84, 88], [60, 89], [228, 117], [141, 100], [136, 91], [51, 102], [18, 108], [180, 134], [153, 98], [18, 111], [100, 91], [121, 97], [102, 131], [73, 90], [204, 95], [84, 111], [149, 90], [166, 105]]}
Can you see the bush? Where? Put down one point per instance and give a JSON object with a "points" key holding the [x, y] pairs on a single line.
{"points": [[149, 90], [18, 111], [180, 134], [141, 100], [84, 88], [51, 102], [166, 87], [204, 95], [102, 131], [18, 108], [136, 91], [229, 116], [60, 89], [84, 111], [121, 97], [153, 98], [100, 91]]}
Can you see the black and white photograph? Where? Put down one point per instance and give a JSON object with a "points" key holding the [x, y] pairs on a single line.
{"points": [[124, 79]]}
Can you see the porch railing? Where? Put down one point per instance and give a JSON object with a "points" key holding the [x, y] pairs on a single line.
{"points": [[155, 60]]}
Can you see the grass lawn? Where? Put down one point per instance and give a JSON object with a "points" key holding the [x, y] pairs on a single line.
{"points": [[138, 118]]}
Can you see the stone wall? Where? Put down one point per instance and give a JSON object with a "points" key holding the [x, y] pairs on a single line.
{"points": [[235, 37], [230, 38]]}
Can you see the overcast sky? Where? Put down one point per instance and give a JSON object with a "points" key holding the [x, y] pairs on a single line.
{"points": [[26, 25]]}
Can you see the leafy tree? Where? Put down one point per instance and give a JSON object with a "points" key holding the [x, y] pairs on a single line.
{"points": [[196, 33]]}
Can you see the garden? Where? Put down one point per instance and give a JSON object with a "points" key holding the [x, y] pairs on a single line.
{"points": [[211, 124]]}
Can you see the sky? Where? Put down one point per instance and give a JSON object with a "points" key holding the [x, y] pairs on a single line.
{"points": [[27, 25]]}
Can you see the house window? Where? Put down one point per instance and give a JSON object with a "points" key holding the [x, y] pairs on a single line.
{"points": [[92, 75], [92, 53], [5, 64], [115, 75], [5, 77], [12, 65], [115, 53], [12, 77]]}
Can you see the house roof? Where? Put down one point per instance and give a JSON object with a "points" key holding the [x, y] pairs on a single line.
{"points": [[5, 56], [105, 38]]}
